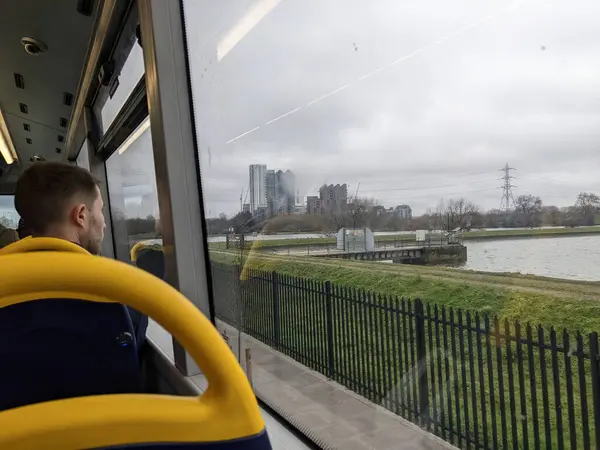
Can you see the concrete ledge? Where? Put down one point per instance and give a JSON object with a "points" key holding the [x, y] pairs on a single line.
{"points": [[328, 413]]}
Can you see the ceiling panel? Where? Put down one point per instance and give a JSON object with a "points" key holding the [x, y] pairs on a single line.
{"points": [[46, 76], [44, 139]]}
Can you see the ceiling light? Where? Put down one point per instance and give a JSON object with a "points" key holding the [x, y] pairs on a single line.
{"points": [[135, 135], [255, 14], [7, 148]]}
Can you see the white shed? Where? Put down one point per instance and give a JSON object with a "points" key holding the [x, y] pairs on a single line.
{"points": [[355, 240]]}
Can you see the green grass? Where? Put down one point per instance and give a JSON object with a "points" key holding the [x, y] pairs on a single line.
{"points": [[374, 347], [537, 300]]}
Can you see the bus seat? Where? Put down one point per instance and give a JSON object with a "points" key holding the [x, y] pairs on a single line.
{"points": [[149, 257], [62, 348], [225, 417], [259, 442]]}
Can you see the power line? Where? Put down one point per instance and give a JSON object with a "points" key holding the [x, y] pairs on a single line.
{"points": [[423, 177], [507, 202], [438, 195], [418, 188]]}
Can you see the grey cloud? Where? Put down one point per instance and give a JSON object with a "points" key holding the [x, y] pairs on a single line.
{"points": [[522, 87]]}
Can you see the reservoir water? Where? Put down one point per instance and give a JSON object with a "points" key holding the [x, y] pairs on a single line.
{"points": [[576, 258]]}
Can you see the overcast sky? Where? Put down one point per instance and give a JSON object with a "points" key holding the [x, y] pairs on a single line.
{"points": [[417, 101], [437, 93]]}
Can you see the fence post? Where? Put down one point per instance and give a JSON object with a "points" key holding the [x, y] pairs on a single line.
{"points": [[329, 318], [422, 362], [237, 297], [275, 286], [595, 372]]}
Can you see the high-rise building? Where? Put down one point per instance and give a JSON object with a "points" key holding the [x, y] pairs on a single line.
{"points": [[258, 188], [280, 189], [313, 204], [403, 211], [286, 193], [272, 191], [333, 198]]}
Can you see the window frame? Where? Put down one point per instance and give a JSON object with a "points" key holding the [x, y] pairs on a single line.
{"points": [[126, 39], [182, 212]]}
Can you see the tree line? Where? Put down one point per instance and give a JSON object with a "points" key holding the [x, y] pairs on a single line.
{"points": [[457, 214]]}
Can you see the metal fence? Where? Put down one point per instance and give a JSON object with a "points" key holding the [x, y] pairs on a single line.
{"points": [[473, 380]]}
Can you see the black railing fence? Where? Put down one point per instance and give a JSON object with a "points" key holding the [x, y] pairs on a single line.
{"points": [[473, 380]]}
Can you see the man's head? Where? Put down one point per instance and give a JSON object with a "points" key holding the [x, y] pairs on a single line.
{"points": [[63, 201]]}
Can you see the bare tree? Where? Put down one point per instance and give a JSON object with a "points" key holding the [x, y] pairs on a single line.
{"points": [[457, 214], [356, 214], [528, 209], [587, 205], [552, 215]]}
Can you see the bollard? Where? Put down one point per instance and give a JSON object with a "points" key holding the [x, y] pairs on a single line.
{"points": [[249, 366], [226, 339]]}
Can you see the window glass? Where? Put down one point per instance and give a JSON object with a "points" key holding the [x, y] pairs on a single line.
{"points": [[83, 158], [378, 178], [8, 214], [130, 75], [132, 192]]}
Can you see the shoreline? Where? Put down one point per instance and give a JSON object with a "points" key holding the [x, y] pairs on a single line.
{"points": [[465, 236]]}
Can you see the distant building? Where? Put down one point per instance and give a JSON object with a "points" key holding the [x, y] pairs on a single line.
{"points": [[280, 192], [313, 204], [380, 210], [403, 211], [246, 208], [260, 214], [333, 197], [258, 188]]}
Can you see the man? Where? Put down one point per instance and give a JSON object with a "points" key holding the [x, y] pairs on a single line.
{"points": [[64, 201], [22, 230], [61, 201]]}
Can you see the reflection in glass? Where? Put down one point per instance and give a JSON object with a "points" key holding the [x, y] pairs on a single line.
{"points": [[83, 157], [130, 75], [132, 192], [399, 118]]}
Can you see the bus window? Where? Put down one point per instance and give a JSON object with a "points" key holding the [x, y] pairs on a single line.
{"points": [[83, 157], [130, 75], [132, 192], [8, 214], [376, 176]]}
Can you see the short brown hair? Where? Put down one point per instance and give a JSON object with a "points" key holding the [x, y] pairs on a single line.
{"points": [[45, 189]]}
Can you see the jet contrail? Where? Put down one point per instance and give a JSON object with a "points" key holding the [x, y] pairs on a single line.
{"points": [[476, 24]]}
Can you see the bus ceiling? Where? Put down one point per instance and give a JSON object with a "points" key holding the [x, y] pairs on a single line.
{"points": [[45, 49]]}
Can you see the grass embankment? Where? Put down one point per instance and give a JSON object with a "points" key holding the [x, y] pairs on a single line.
{"points": [[374, 356], [534, 232], [384, 239], [377, 371], [574, 305]]}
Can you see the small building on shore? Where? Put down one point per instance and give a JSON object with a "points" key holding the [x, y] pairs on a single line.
{"points": [[355, 240]]}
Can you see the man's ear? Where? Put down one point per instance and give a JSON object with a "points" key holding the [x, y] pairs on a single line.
{"points": [[78, 214]]}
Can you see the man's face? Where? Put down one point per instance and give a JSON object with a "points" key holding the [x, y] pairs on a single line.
{"points": [[93, 229]]}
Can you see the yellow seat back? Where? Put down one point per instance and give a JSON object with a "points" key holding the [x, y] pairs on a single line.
{"points": [[228, 410]]}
